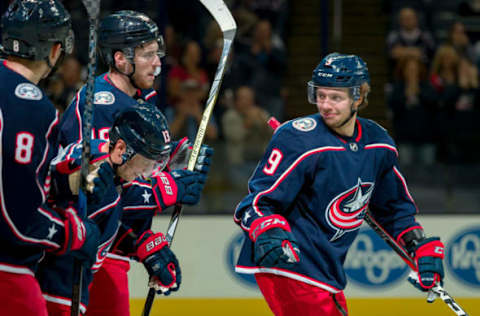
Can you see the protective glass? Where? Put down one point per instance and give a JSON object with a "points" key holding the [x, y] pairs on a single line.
{"points": [[160, 52], [138, 166], [354, 92], [312, 92]]}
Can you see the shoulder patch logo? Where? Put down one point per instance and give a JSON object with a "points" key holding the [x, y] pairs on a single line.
{"points": [[305, 124], [28, 91], [104, 97]]}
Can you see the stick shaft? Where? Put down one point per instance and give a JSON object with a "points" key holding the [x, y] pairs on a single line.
{"points": [[93, 8], [227, 24]]}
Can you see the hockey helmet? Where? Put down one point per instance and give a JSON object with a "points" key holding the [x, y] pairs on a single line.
{"points": [[145, 131], [30, 28], [339, 70], [125, 30]]}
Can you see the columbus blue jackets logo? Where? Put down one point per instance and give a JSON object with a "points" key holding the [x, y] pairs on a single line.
{"points": [[304, 124], [104, 97], [345, 213], [28, 91]]}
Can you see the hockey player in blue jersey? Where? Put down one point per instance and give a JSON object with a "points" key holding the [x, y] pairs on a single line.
{"points": [[309, 194], [139, 141], [131, 45], [35, 35]]}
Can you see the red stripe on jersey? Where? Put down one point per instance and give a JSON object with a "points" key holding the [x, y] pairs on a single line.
{"points": [[404, 184], [288, 171], [379, 145], [287, 274], [105, 208]]}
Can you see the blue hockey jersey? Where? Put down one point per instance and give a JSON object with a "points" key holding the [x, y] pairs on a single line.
{"points": [[107, 214], [28, 133], [108, 102], [323, 184]]}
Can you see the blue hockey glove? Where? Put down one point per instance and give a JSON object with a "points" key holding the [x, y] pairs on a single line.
{"points": [[160, 262], [99, 181], [274, 244], [178, 186], [203, 159], [429, 254], [81, 237]]}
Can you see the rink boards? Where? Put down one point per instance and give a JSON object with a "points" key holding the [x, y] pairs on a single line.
{"points": [[208, 245]]}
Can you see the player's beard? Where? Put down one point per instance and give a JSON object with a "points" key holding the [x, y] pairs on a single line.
{"points": [[144, 81]]}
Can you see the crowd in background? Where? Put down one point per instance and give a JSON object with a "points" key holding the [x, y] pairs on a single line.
{"points": [[433, 94]]}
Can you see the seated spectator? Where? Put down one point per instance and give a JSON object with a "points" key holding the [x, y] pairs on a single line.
{"points": [[413, 102], [458, 38], [456, 82], [467, 71], [409, 41], [246, 134]]}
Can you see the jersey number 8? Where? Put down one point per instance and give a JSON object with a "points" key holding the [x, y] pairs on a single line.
{"points": [[24, 147]]}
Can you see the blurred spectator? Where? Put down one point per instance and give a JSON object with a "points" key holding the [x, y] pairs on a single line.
{"points": [[213, 44], [172, 47], [63, 85], [186, 115], [262, 65], [414, 105], [189, 70], [169, 61], [245, 127], [408, 40], [246, 134], [456, 82], [275, 11], [458, 38]]}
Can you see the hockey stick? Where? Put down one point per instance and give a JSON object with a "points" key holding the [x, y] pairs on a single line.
{"points": [[437, 290], [93, 9], [223, 17]]}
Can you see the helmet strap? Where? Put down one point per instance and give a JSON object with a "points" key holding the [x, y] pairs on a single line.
{"points": [[54, 68], [352, 113], [130, 75]]}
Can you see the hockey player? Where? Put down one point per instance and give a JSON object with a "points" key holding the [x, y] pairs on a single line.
{"points": [[35, 34], [139, 141], [131, 45], [309, 194]]}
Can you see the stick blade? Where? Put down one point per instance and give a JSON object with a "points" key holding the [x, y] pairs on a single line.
{"points": [[221, 14], [93, 8]]}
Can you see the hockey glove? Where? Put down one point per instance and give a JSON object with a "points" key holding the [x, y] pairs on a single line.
{"points": [[99, 181], [274, 244], [178, 186], [429, 254], [203, 159], [160, 262], [81, 238]]}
